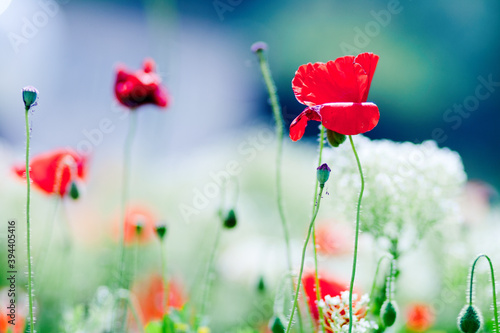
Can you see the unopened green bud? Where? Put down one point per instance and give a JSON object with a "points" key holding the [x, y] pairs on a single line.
{"points": [[469, 320], [335, 139], [161, 230], [276, 325], [30, 95], [389, 313], [74, 193], [323, 173], [230, 221], [261, 285]]}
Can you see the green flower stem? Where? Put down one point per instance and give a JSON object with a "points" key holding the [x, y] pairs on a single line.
{"points": [[126, 170], [309, 232], [126, 295], [316, 275], [372, 292], [126, 166], [208, 275], [495, 306], [164, 271], [273, 96], [278, 119], [357, 232], [28, 225]]}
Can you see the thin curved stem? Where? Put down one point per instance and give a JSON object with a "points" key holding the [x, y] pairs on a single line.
{"points": [[28, 225], [164, 272], [126, 170], [275, 105], [278, 119], [495, 306], [316, 275], [208, 276], [355, 258], [376, 274], [309, 232]]}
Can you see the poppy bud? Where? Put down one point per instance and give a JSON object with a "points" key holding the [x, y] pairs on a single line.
{"points": [[258, 46], [276, 325], [388, 312], [469, 320], [261, 285], [335, 139], [161, 230], [323, 173], [30, 95], [230, 221], [74, 193]]}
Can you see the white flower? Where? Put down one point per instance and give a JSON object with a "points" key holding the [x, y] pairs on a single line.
{"points": [[408, 187]]}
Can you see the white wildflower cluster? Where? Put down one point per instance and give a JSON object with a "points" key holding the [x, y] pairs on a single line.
{"points": [[408, 187], [336, 311]]}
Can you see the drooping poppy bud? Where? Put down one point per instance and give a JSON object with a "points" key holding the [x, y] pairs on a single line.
{"points": [[470, 319], [161, 230], [388, 312], [74, 193], [323, 173], [335, 139], [30, 95], [230, 221], [276, 325]]}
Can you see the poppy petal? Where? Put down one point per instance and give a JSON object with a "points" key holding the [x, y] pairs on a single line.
{"points": [[369, 62], [298, 125], [349, 118], [341, 80]]}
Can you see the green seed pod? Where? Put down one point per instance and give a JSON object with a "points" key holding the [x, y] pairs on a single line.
{"points": [[30, 95], [469, 319], [276, 325], [335, 139], [230, 221], [74, 193], [389, 313]]}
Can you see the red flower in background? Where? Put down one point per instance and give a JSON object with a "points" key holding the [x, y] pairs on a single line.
{"points": [[54, 172], [420, 317], [140, 88], [139, 225], [335, 94], [333, 239], [150, 293], [327, 285]]}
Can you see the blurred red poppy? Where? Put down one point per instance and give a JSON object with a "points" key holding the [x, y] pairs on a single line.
{"points": [[333, 239], [142, 87], [420, 317], [150, 293], [55, 172], [327, 285], [335, 94], [139, 225], [5, 325]]}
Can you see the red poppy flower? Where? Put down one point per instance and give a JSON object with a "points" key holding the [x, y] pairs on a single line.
{"points": [[20, 315], [139, 225], [327, 285], [335, 94], [56, 171], [333, 239], [150, 294], [5, 325], [140, 88], [420, 317]]}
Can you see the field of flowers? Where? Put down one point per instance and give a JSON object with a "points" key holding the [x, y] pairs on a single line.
{"points": [[263, 232]]}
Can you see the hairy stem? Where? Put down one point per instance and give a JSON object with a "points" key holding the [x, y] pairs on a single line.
{"points": [[492, 273], [28, 225], [309, 232], [353, 275]]}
